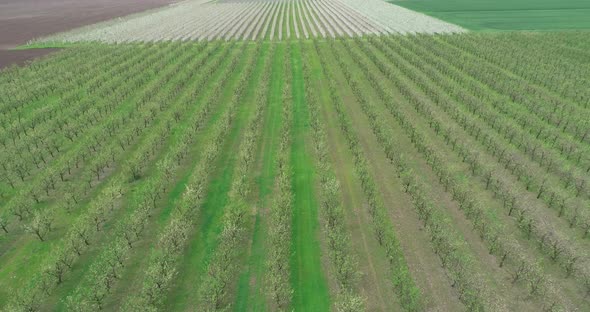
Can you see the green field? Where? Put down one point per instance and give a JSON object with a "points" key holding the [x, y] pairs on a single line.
{"points": [[378, 173], [505, 15]]}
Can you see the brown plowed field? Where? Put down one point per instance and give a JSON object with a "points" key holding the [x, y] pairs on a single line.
{"points": [[23, 20]]}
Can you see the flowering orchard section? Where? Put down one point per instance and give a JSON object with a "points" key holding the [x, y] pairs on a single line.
{"points": [[260, 19], [379, 173]]}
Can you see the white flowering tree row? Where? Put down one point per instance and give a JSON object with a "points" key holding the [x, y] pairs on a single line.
{"points": [[260, 19]]}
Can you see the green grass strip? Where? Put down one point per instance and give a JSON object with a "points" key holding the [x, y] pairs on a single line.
{"points": [[251, 296], [307, 279], [205, 241]]}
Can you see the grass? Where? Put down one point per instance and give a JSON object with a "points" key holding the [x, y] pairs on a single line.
{"points": [[436, 191], [202, 248], [165, 206], [506, 15], [250, 294], [187, 168], [310, 275], [307, 279], [35, 252], [53, 45]]}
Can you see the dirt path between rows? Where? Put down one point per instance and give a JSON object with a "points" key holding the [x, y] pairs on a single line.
{"points": [[24, 20]]}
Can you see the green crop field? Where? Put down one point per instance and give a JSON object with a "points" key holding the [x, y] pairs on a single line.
{"points": [[504, 15], [362, 172]]}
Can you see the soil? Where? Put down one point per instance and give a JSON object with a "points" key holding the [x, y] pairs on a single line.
{"points": [[24, 20], [20, 57]]}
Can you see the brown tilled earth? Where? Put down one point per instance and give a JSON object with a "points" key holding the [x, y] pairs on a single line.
{"points": [[23, 20]]}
